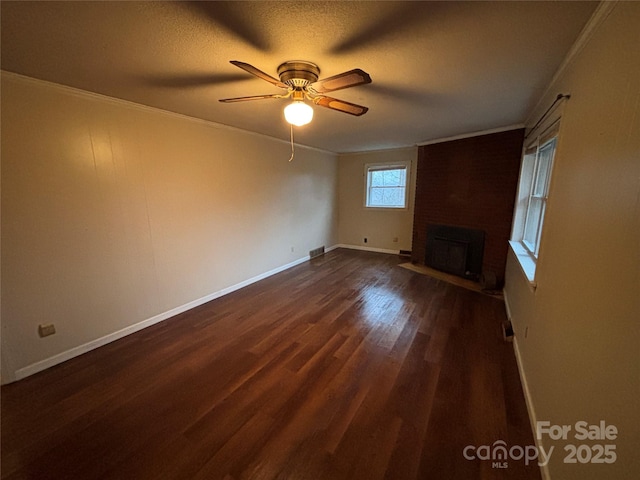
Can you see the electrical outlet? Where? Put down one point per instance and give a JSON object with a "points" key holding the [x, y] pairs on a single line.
{"points": [[46, 330], [365, 239]]}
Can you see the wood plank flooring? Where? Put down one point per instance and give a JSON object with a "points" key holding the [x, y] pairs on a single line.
{"points": [[345, 367]]}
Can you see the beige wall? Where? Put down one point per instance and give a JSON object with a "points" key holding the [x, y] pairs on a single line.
{"points": [[580, 357], [115, 214], [379, 226]]}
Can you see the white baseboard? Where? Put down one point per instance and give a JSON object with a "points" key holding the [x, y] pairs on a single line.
{"points": [[86, 347], [368, 249], [533, 419]]}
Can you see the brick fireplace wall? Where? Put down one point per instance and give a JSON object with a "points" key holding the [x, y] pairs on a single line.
{"points": [[469, 183]]}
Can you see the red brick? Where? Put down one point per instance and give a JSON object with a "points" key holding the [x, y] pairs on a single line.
{"points": [[470, 183]]}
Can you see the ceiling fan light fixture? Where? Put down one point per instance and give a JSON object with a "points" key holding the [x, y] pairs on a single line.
{"points": [[298, 113]]}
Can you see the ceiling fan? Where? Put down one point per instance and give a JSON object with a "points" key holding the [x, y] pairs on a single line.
{"points": [[300, 79]]}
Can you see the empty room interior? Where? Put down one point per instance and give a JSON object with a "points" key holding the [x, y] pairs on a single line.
{"points": [[320, 240]]}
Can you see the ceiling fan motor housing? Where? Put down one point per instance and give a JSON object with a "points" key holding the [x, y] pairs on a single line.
{"points": [[298, 73]]}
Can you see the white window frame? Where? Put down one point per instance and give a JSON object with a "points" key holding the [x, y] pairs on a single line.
{"points": [[527, 250], [372, 167]]}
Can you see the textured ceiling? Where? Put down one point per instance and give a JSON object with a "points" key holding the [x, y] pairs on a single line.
{"points": [[439, 69]]}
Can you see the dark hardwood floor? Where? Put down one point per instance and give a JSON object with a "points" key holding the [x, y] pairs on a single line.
{"points": [[345, 367]]}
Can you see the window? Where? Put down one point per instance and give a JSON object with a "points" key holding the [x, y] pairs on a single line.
{"points": [[533, 191], [386, 186], [538, 192]]}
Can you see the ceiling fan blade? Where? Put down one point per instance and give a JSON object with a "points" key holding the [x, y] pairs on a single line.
{"points": [[258, 73], [348, 79], [340, 105], [245, 99]]}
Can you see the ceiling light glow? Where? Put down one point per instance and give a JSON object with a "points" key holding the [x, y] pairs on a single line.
{"points": [[298, 113]]}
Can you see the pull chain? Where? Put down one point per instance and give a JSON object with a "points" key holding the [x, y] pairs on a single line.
{"points": [[292, 150]]}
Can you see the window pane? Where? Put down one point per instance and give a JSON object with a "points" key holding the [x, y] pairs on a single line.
{"points": [[377, 178], [526, 178], [394, 196], [376, 196], [531, 227], [392, 178], [387, 197], [387, 178], [540, 222], [544, 168]]}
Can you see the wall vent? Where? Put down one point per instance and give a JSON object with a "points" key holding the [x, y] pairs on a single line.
{"points": [[316, 252], [507, 331]]}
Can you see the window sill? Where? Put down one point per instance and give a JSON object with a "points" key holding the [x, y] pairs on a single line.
{"points": [[526, 261], [388, 209]]}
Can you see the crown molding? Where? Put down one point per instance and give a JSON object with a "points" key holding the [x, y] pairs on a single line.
{"points": [[472, 134], [139, 106]]}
